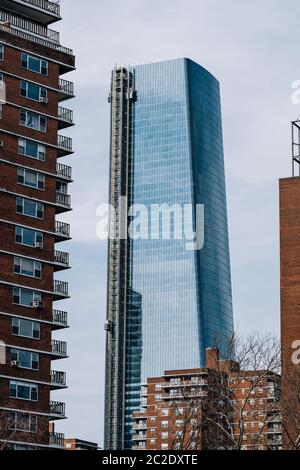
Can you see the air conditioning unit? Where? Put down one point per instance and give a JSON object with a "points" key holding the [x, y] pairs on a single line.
{"points": [[15, 363], [38, 245], [38, 304], [44, 99]]}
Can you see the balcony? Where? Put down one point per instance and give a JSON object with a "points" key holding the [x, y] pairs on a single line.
{"points": [[59, 319], [140, 426], [61, 259], [59, 348], [60, 289], [64, 171], [63, 201], [58, 379], [66, 89], [64, 145], [57, 409], [56, 439], [62, 231], [42, 11], [36, 39], [65, 117], [139, 437], [28, 26]]}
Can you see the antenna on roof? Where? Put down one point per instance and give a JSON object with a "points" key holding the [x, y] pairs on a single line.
{"points": [[296, 146]]}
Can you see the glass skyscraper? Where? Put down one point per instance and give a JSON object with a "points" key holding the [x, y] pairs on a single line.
{"points": [[166, 303]]}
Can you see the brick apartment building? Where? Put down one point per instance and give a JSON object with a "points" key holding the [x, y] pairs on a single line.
{"points": [[289, 189], [218, 407], [33, 191]]}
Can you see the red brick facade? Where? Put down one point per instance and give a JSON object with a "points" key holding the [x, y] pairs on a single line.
{"points": [[19, 315]]}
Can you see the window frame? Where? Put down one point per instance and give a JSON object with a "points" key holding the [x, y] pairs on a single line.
{"points": [[23, 200], [24, 113], [36, 232], [24, 146], [18, 326], [15, 356], [19, 383], [41, 90], [40, 178], [34, 270], [25, 57], [36, 296]]}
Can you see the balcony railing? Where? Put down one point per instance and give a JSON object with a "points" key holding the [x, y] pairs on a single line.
{"points": [[59, 317], [57, 408], [139, 437], [62, 228], [140, 426], [65, 114], [64, 143], [59, 347], [61, 257], [66, 87], [60, 287], [63, 199], [58, 378], [36, 39], [56, 439], [35, 28], [64, 171], [51, 7]]}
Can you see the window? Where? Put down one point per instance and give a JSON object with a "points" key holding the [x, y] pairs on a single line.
{"points": [[164, 435], [179, 422], [152, 419], [23, 422], [158, 387], [28, 237], [165, 412], [164, 424], [1, 51], [25, 359], [27, 267], [25, 297], [164, 446], [32, 91], [35, 64], [31, 178], [30, 208], [152, 441], [25, 328], [32, 149], [33, 120], [179, 412], [157, 397], [23, 390]]}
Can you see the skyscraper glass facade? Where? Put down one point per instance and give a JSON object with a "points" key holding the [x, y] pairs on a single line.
{"points": [[182, 297]]}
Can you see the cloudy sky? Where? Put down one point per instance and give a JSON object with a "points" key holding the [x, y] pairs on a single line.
{"points": [[253, 49]]}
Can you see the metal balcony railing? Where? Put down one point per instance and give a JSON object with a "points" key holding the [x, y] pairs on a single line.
{"points": [[58, 378], [64, 143], [59, 317], [37, 29], [59, 347], [51, 7], [62, 228], [63, 199], [64, 171], [60, 287], [57, 408], [56, 439], [61, 257], [65, 114], [36, 39], [66, 87]]}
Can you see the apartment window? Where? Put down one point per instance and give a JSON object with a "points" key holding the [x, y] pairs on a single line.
{"points": [[25, 328], [164, 446], [164, 435], [23, 390], [28, 237], [157, 397], [158, 386], [30, 208], [27, 267], [152, 441], [23, 422], [33, 120], [179, 422], [1, 51], [25, 297], [35, 64], [164, 424], [25, 359], [165, 412], [33, 92], [152, 419], [152, 430], [179, 411], [31, 178], [32, 149]]}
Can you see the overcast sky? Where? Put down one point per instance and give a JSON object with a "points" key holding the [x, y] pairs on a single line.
{"points": [[253, 49]]}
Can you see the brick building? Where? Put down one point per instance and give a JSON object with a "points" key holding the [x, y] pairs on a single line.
{"points": [[33, 191], [217, 407]]}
